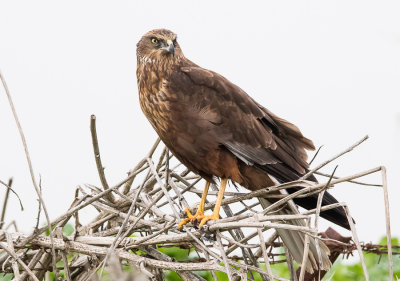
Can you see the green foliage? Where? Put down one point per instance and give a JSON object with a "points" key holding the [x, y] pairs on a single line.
{"points": [[178, 253], [281, 270], [6, 277], [67, 230]]}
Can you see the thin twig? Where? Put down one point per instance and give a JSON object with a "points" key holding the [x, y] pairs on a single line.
{"points": [[334, 158], [163, 187], [32, 263], [265, 255], [99, 165], [357, 242], [224, 258], [74, 210], [28, 159], [15, 257], [116, 241], [387, 218], [311, 187], [315, 155], [3, 211], [351, 181], [14, 264], [305, 254], [16, 194], [39, 206], [67, 271]]}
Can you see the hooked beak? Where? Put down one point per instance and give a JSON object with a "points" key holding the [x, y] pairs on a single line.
{"points": [[170, 48]]}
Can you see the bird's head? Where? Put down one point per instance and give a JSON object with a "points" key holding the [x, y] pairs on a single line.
{"points": [[158, 45]]}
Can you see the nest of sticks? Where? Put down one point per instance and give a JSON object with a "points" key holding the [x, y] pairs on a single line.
{"points": [[139, 215]]}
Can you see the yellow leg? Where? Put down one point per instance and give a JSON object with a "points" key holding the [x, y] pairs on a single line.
{"points": [[215, 214], [200, 211]]}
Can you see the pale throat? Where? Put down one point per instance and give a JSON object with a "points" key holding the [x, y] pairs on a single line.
{"points": [[147, 60]]}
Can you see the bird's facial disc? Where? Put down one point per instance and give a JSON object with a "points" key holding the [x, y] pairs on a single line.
{"points": [[165, 45]]}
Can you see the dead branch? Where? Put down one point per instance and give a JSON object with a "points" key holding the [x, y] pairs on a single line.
{"points": [[133, 223]]}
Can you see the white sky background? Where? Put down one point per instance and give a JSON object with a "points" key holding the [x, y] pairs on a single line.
{"points": [[332, 68]]}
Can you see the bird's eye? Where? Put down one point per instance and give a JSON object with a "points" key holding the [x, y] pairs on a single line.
{"points": [[154, 40]]}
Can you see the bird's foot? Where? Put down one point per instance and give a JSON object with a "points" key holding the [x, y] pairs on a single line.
{"points": [[214, 216], [199, 216]]}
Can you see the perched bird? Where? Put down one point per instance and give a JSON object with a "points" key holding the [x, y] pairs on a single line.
{"points": [[218, 131]]}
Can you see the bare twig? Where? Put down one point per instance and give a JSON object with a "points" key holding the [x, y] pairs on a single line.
{"points": [[387, 217], [11, 252], [264, 252], [224, 258], [357, 242], [12, 190], [315, 155], [3, 211], [14, 264], [67, 271], [39, 206], [28, 159], [305, 254], [138, 221], [96, 150], [334, 158]]}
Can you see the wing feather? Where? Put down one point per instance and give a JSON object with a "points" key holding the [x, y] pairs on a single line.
{"points": [[250, 131], [223, 113]]}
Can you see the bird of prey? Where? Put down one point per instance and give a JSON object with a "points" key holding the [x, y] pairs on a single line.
{"points": [[218, 131]]}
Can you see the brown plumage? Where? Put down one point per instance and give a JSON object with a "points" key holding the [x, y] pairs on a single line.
{"points": [[214, 128]]}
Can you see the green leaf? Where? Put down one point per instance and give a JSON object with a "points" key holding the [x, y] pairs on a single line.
{"points": [[68, 229], [6, 277], [176, 253]]}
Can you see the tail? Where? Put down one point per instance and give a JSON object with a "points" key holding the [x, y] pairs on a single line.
{"points": [[258, 177], [282, 173], [295, 241]]}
